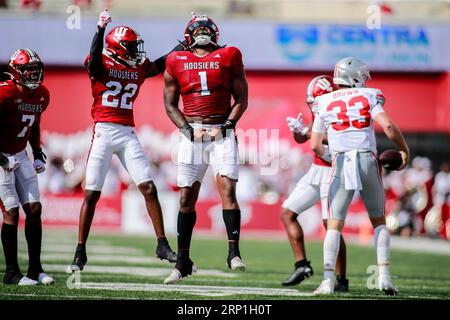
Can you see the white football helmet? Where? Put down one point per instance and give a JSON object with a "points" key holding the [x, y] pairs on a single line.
{"points": [[351, 72]]}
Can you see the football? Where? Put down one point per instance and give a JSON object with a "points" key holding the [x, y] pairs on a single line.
{"points": [[391, 159]]}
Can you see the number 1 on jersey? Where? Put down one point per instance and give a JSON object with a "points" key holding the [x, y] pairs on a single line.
{"points": [[204, 84]]}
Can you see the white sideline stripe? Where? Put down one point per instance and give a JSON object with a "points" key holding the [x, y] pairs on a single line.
{"points": [[102, 258], [136, 271], [62, 297], [211, 291], [91, 249]]}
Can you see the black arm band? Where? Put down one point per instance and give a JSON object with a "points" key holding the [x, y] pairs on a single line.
{"points": [[227, 127]]}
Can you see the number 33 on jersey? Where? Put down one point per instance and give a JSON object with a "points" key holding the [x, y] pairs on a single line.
{"points": [[347, 115], [115, 91]]}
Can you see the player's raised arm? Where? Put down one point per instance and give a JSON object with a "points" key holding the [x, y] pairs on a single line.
{"points": [[171, 99], [95, 64], [394, 134]]}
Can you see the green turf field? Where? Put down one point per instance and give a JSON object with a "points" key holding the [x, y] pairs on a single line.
{"points": [[124, 267]]}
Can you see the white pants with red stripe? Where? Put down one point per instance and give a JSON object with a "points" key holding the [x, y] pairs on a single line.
{"points": [[372, 192], [21, 186], [109, 139], [312, 186]]}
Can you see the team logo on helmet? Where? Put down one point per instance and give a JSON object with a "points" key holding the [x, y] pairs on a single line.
{"points": [[125, 45], [318, 86]]}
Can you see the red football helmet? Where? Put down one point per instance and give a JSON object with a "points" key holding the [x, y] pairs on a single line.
{"points": [[125, 45], [25, 67], [201, 31], [318, 86]]}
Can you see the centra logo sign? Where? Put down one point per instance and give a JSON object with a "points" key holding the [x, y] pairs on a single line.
{"points": [[304, 42]]}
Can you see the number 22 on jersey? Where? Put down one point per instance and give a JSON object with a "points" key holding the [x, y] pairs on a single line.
{"points": [[116, 97], [357, 108]]}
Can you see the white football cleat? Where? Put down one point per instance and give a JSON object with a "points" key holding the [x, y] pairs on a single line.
{"points": [[237, 264], [385, 284], [25, 281], [45, 279], [326, 287], [176, 275]]}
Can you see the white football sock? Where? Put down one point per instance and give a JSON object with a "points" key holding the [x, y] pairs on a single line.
{"points": [[382, 245], [330, 252]]}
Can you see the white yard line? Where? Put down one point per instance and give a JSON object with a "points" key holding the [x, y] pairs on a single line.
{"points": [[65, 296], [211, 291], [91, 249], [136, 271], [102, 258]]}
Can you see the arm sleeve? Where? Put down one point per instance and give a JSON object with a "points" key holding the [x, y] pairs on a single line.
{"points": [[95, 63], [318, 125]]}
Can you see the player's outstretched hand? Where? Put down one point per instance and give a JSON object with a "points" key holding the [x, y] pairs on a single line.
{"points": [[296, 124], [104, 18]]}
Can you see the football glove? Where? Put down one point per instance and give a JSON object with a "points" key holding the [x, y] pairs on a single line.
{"points": [[39, 160], [39, 166], [296, 125], [104, 18], [9, 164]]}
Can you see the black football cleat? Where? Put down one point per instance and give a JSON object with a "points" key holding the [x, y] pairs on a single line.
{"points": [[79, 260], [165, 252], [299, 275], [341, 285]]}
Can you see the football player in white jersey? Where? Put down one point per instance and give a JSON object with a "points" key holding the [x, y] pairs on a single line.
{"points": [[346, 116], [312, 187]]}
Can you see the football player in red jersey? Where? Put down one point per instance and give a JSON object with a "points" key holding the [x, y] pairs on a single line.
{"points": [[312, 187], [117, 73], [206, 77], [23, 99]]}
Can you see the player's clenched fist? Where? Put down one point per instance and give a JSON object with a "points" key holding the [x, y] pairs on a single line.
{"points": [[104, 18]]}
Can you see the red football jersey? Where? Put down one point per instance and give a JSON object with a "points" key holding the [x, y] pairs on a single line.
{"points": [[116, 90], [318, 160], [205, 82], [18, 113]]}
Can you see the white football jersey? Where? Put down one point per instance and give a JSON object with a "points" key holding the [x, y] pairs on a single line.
{"points": [[346, 115]]}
